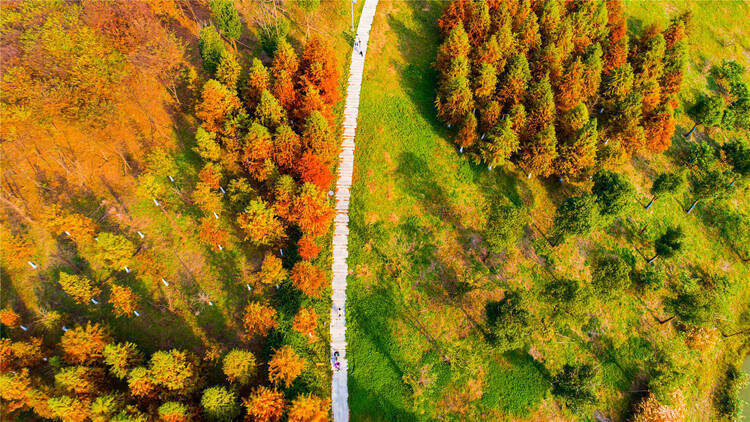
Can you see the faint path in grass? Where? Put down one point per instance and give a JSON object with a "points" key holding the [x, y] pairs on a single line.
{"points": [[339, 390]]}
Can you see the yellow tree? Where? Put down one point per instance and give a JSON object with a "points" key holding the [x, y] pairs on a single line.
{"points": [[174, 370], [271, 271], [80, 288], [123, 300], [285, 366], [309, 408], [239, 366], [10, 318]]}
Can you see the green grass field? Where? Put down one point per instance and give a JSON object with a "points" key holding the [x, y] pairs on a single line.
{"points": [[422, 273]]}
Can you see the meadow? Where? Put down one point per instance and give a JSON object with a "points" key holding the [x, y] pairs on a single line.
{"points": [[422, 272]]}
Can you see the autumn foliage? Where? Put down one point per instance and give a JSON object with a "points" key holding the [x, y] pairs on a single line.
{"points": [[85, 344], [123, 300], [259, 319], [308, 278], [305, 323], [265, 405], [309, 408], [285, 366], [511, 64]]}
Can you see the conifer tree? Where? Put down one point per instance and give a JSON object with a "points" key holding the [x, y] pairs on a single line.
{"points": [[616, 47], [227, 18], [265, 404], [592, 72], [490, 53], [228, 70], [260, 225], [216, 106], [220, 404], [529, 39], [307, 247], [271, 270], [140, 383], [613, 192], [478, 23], [239, 366], [80, 288], [313, 170], [269, 112], [455, 45], [313, 212], [121, 358], [258, 81], [318, 138], [501, 142], [285, 191], [319, 68], [513, 83], [308, 278], [259, 319], [85, 345], [211, 48], [174, 370], [484, 83], [707, 111], [257, 152], [578, 153], [570, 90], [287, 148], [10, 318], [285, 366], [305, 323], [309, 408], [173, 411], [549, 19], [576, 216], [539, 153], [206, 145], [123, 300], [659, 127], [467, 132]]}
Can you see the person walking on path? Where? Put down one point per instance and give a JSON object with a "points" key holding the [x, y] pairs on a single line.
{"points": [[358, 43]]}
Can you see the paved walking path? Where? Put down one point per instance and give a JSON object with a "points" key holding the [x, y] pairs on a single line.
{"points": [[339, 391]]}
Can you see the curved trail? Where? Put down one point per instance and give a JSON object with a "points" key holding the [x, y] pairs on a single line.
{"points": [[339, 391]]}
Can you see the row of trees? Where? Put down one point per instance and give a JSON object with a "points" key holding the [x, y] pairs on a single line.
{"points": [[168, 386], [556, 86]]}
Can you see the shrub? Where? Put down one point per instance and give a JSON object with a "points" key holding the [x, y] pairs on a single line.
{"points": [[220, 404], [505, 225]]}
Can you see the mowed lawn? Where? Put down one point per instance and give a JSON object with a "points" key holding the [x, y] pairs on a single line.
{"points": [[421, 274]]}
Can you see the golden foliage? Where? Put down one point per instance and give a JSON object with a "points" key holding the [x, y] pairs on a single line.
{"points": [[271, 271], [305, 322], [123, 300], [285, 366], [78, 287], [309, 408], [265, 405], [85, 345], [10, 318], [259, 319], [308, 278]]}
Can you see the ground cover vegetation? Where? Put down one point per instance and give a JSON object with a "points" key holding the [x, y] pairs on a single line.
{"points": [[165, 216], [612, 285]]}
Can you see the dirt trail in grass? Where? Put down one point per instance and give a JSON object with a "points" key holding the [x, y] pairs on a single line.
{"points": [[339, 391]]}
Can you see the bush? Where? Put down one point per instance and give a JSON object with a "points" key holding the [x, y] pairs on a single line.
{"points": [[509, 322], [649, 278], [727, 398], [505, 225], [575, 386]]}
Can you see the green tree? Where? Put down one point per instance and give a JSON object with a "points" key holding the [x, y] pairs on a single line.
{"points": [[269, 113], [611, 275], [211, 48], [228, 70], [220, 404], [577, 155], [505, 225], [273, 34], [575, 386], [576, 215], [665, 376], [737, 156], [239, 366], [227, 18], [508, 321], [613, 192], [668, 244], [538, 154], [693, 303], [500, 142], [707, 111], [709, 184], [727, 397], [666, 184], [206, 145]]}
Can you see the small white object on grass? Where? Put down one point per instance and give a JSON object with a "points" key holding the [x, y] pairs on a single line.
{"points": [[34, 266], [141, 235], [222, 190], [220, 248], [96, 238], [461, 150], [489, 167], [281, 251], [156, 202], [94, 301], [127, 270], [249, 289], [216, 215], [23, 327], [330, 193], [171, 179], [45, 359], [210, 303], [606, 141], [67, 232], [529, 176], [136, 313], [64, 328], [165, 282], [277, 287]]}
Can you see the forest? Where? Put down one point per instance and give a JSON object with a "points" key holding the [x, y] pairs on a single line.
{"points": [[549, 215]]}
